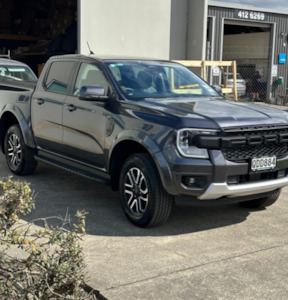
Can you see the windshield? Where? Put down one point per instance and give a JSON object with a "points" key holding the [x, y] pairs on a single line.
{"points": [[153, 79], [17, 73]]}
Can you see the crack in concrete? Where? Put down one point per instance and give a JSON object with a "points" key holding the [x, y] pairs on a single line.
{"points": [[196, 266]]}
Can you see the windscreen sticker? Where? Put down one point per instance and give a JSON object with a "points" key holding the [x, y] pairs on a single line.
{"points": [[116, 65], [187, 86]]}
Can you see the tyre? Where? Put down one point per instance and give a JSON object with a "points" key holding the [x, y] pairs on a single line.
{"points": [[143, 199], [262, 202], [20, 158]]}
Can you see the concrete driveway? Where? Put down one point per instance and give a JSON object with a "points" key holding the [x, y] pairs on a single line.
{"points": [[201, 253]]}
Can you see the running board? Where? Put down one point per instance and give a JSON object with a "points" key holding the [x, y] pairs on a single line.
{"points": [[85, 171]]}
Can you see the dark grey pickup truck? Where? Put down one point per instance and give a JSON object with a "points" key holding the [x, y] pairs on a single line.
{"points": [[151, 129]]}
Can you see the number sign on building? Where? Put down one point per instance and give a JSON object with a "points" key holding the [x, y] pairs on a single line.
{"points": [[250, 15]]}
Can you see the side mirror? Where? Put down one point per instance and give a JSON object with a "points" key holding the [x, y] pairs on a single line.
{"points": [[90, 93], [217, 88]]}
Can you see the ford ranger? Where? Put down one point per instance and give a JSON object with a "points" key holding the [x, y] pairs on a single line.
{"points": [[152, 129]]}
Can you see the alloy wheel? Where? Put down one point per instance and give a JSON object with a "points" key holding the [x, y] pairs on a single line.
{"points": [[136, 191], [14, 150]]}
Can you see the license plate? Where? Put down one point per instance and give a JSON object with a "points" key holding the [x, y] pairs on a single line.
{"points": [[263, 163]]}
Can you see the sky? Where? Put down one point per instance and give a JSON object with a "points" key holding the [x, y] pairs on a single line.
{"points": [[273, 4]]}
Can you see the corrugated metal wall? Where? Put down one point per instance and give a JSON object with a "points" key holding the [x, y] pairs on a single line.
{"points": [[219, 13], [278, 22], [281, 22]]}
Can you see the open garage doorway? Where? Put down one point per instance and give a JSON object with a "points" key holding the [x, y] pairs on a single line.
{"points": [[249, 43], [32, 31]]}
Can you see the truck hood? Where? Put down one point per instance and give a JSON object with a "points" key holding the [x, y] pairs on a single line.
{"points": [[218, 113]]}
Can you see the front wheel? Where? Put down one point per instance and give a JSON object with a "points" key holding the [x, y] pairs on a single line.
{"points": [[20, 158], [144, 201], [262, 202]]}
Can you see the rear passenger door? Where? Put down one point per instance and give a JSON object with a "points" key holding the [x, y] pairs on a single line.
{"points": [[47, 106], [84, 121]]}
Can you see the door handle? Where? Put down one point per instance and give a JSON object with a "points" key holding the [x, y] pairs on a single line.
{"points": [[70, 107], [39, 101]]}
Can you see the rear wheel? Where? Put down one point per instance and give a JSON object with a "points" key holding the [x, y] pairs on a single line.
{"points": [[144, 201], [20, 158], [262, 202]]}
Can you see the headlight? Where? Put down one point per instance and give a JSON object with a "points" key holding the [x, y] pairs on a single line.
{"points": [[185, 145]]}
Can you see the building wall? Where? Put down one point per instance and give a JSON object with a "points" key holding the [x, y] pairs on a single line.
{"points": [[197, 29], [278, 22], [178, 29], [281, 25], [126, 27], [150, 28], [219, 13], [165, 29]]}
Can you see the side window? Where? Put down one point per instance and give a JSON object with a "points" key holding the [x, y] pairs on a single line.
{"points": [[90, 75], [58, 76]]}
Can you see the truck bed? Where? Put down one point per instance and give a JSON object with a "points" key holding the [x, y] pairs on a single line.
{"points": [[17, 86]]}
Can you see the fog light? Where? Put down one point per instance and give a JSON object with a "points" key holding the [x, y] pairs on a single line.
{"points": [[194, 181], [190, 180], [233, 180], [281, 173]]}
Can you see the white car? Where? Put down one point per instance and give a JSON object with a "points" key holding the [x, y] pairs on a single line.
{"points": [[13, 70], [241, 84]]}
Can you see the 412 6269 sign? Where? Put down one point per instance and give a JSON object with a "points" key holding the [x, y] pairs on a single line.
{"points": [[250, 15]]}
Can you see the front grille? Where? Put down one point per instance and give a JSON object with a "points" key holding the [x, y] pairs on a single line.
{"points": [[240, 179], [259, 142], [246, 153]]}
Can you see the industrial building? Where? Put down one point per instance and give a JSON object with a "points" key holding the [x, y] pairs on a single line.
{"points": [[256, 38]]}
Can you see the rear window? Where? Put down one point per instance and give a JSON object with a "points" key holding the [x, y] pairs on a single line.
{"points": [[58, 76], [16, 73]]}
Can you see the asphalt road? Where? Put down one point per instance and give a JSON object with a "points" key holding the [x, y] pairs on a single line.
{"points": [[225, 252]]}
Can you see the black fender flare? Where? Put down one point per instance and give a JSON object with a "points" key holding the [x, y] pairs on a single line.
{"points": [[153, 149], [13, 112]]}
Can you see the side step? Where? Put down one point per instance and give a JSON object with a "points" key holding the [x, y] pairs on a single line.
{"points": [[83, 171]]}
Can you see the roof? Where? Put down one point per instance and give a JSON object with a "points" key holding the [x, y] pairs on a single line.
{"points": [[11, 62], [246, 7], [106, 57]]}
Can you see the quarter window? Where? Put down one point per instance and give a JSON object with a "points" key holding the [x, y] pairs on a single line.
{"points": [[58, 76]]}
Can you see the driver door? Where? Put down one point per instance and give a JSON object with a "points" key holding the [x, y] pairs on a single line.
{"points": [[84, 121]]}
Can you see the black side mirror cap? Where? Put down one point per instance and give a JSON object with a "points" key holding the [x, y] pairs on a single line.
{"points": [[90, 93], [217, 88]]}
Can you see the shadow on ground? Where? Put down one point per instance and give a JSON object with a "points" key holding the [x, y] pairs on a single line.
{"points": [[58, 192]]}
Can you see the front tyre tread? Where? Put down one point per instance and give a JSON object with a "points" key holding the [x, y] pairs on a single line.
{"points": [[262, 202], [159, 206]]}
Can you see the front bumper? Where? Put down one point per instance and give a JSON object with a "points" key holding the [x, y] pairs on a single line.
{"points": [[218, 190], [216, 174]]}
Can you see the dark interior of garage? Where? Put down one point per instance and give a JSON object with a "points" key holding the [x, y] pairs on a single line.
{"points": [[237, 29], [32, 31], [252, 56], [246, 70]]}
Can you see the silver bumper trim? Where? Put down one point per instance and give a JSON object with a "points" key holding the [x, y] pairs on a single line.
{"points": [[218, 190]]}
